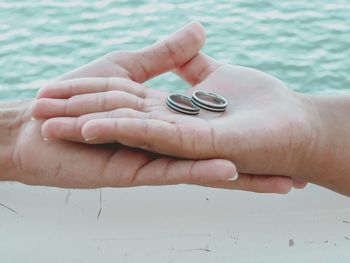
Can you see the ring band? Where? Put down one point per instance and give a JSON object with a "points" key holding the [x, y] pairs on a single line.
{"points": [[209, 101], [182, 104]]}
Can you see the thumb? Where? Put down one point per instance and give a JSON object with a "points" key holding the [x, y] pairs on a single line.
{"points": [[165, 55]]}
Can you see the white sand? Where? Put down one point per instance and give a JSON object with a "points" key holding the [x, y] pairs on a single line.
{"points": [[172, 224]]}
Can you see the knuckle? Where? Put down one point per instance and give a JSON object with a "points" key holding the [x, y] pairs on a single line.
{"points": [[139, 104], [69, 86], [167, 170], [140, 89], [191, 173], [179, 135], [144, 127], [115, 126], [67, 107], [107, 84], [172, 52], [101, 101]]}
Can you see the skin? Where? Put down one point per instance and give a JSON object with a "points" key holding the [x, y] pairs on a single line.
{"points": [[267, 130], [25, 157]]}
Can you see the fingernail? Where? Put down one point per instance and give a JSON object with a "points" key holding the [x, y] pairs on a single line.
{"points": [[90, 139], [45, 139], [234, 177]]}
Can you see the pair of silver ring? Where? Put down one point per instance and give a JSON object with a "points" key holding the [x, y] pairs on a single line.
{"points": [[200, 100]]}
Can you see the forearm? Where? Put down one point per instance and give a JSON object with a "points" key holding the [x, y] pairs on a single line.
{"points": [[12, 118], [326, 160]]}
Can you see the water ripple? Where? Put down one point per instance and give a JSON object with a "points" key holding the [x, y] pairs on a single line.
{"points": [[305, 43]]}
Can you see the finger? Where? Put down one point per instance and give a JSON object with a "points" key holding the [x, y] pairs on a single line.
{"points": [[197, 69], [166, 171], [69, 88], [153, 135], [174, 51], [167, 54], [69, 128], [125, 167], [299, 184], [85, 104], [256, 183]]}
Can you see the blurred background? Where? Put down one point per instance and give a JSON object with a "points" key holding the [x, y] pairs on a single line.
{"points": [[304, 43]]}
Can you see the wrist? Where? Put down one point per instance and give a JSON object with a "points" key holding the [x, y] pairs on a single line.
{"points": [[325, 157], [13, 117]]}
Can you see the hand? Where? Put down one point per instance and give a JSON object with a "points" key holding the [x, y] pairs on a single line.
{"points": [[72, 165], [67, 164], [261, 111]]}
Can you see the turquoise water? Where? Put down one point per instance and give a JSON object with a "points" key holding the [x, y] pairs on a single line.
{"points": [[304, 43]]}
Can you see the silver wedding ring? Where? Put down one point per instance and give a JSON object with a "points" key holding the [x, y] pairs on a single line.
{"points": [[182, 104], [200, 100], [209, 101]]}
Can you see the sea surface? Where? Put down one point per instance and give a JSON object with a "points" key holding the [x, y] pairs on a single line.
{"points": [[304, 43]]}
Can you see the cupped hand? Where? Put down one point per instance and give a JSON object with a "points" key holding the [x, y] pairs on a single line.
{"points": [[262, 130]]}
